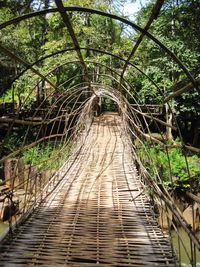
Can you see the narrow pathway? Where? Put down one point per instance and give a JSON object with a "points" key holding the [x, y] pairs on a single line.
{"points": [[97, 216]]}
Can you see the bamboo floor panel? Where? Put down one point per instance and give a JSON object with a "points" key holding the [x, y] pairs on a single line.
{"points": [[98, 215]]}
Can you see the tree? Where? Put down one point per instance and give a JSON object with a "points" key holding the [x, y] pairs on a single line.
{"points": [[170, 28]]}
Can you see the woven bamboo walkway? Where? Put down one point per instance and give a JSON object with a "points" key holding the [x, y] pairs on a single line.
{"points": [[97, 216]]}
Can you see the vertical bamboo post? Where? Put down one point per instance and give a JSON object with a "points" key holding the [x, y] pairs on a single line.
{"points": [[8, 172], [21, 175]]}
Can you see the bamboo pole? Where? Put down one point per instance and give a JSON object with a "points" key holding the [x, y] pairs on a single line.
{"points": [[185, 88], [193, 197]]}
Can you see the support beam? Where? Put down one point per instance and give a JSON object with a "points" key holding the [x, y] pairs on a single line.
{"points": [[68, 24], [112, 16], [184, 89], [26, 64], [154, 15], [90, 49], [30, 122]]}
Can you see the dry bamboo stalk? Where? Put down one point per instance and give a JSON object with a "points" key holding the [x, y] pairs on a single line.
{"points": [[186, 88], [193, 197]]}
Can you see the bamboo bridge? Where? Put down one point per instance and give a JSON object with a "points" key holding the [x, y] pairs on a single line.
{"points": [[98, 215], [79, 185]]}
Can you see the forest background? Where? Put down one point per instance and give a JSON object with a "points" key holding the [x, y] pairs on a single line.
{"points": [[176, 27]]}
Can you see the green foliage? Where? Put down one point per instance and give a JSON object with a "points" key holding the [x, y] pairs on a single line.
{"points": [[172, 167], [188, 103], [5, 14], [38, 36], [176, 27], [12, 142], [48, 155], [6, 97]]}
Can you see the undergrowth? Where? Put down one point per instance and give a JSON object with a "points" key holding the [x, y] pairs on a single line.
{"points": [[49, 155], [173, 167]]}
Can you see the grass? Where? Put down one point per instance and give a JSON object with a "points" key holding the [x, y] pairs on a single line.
{"points": [[174, 169], [49, 155]]}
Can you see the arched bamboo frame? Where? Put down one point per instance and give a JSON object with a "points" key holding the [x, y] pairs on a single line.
{"points": [[112, 16], [143, 31]]}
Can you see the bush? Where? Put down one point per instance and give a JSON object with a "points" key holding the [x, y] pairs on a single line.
{"points": [[174, 169], [47, 155]]}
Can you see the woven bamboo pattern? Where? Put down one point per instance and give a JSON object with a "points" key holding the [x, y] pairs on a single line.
{"points": [[98, 215]]}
